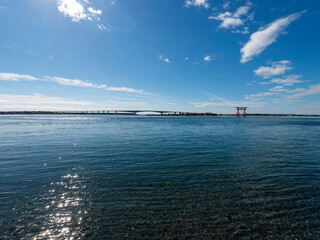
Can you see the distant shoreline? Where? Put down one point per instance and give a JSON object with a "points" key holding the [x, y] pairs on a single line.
{"points": [[178, 114]]}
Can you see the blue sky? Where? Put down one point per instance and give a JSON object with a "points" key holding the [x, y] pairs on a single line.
{"points": [[184, 55]]}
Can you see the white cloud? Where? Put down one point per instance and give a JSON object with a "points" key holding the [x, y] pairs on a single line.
{"points": [[72, 82], [79, 10], [96, 12], [277, 68], [234, 20], [265, 36], [16, 77], [167, 60], [68, 82], [73, 9], [80, 83], [126, 89], [228, 20], [197, 3], [243, 10], [207, 58], [286, 81]]}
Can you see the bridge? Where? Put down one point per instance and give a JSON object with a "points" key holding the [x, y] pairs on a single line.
{"points": [[110, 112], [135, 112]]}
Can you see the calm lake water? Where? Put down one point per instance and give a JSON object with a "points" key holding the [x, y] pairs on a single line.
{"points": [[136, 177]]}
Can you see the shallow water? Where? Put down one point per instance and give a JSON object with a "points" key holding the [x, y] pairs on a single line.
{"points": [[135, 177]]}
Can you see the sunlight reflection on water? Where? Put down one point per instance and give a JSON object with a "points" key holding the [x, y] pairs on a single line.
{"points": [[62, 221]]}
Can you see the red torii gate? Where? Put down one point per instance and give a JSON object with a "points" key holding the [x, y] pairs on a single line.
{"points": [[244, 111]]}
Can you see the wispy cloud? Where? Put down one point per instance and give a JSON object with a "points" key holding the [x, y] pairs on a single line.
{"points": [[265, 36], [281, 89], [226, 5], [217, 101], [277, 68], [226, 104], [285, 93], [197, 3], [167, 60], [35, 100], [114, 104], [79, 10], [16, 77], [39, 102], [11, 46], [80, 83], [68, 82], [259, 96], [286, 81], [311, 90], [244, 30], [103, 27]]}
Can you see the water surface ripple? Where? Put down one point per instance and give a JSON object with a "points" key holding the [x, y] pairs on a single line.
{"points": [[135, 177]]}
